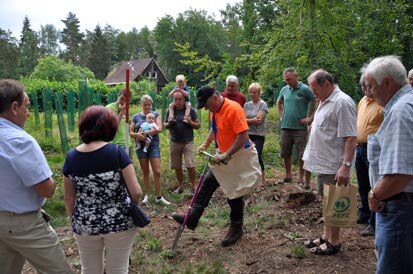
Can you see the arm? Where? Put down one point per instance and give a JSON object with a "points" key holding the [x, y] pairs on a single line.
{"points": [[388, 186], [135, 135], [280, 107], [258, 119], [132, 183], [46, 188], [122, 111], [207, 142], [195, 124], [172, 92], [239, 142], [343, 174], [70, 196], [310, 114]]}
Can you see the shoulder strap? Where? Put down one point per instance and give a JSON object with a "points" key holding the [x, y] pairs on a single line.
{"points": [[121, 179]]}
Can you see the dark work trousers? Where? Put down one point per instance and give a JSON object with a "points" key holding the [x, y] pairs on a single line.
{"points": [[259, 144], [207, 190], [362, 171]]}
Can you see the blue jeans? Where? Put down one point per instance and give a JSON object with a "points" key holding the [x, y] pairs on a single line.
{"points": [[259, 144], [394, 238], [362, 172], [154, 151]]}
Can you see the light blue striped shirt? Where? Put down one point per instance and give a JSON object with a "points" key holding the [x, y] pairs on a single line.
{"points": [[391, 148], [22, 165]]}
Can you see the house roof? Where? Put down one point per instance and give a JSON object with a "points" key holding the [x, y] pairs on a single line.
{"points": [[137, 70]]}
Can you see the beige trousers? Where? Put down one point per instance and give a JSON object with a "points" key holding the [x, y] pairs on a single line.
{"points": [[30, 237], [117, 247]]}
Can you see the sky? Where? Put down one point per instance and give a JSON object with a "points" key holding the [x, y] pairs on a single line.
{"points": [[123, 15]]}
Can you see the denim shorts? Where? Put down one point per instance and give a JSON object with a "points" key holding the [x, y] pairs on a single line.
{"points": [[154, 151]]}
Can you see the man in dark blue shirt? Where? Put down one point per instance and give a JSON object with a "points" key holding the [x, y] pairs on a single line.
{"points": [[182, 141]]}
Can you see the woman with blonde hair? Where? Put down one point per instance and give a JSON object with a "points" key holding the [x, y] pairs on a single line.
{"points": [[255, 111], [152, 156]]}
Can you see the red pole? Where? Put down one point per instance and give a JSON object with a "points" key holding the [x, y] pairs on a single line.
{"points": [[127, 95]]}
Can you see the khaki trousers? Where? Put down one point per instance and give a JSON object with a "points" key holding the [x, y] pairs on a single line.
{"points": [[29, 237]]}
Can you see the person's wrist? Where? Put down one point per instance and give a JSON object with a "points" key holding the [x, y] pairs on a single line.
{"points": [[372, 195]]}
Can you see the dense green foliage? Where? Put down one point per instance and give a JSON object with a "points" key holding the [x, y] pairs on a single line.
{"points": [[54, 69], [255, 40]]}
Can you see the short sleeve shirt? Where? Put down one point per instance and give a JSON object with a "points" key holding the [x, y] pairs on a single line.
{"points": [[22, 166], [120, 134], [101, 205], [179, 131], [334, 119], [295, 105], [251, 110], [369, 118], [390, 149], [237, 97], [230, 121]]}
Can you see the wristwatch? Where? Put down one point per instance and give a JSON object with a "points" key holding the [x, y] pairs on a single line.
{"points": [[347, 164], [372, 195]]}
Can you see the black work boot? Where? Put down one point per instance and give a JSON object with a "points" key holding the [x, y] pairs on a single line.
{"points": [[234, 234], [193, 219]]}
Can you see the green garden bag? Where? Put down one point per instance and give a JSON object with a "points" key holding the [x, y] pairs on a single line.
{"points": [[340, 205]]}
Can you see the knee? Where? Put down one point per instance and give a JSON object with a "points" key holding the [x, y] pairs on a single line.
{"points": [[157, 173]]}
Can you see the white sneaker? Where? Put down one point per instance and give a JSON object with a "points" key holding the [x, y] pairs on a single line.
{"points": [[145, 200], [162, 200]]}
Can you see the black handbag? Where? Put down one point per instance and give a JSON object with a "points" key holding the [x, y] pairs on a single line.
{"points": [[140, 219]]}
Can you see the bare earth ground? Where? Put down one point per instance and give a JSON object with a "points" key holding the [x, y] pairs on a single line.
{"points": [[272, 243]]}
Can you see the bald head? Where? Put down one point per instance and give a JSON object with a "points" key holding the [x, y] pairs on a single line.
{"points": [[179, 100]]}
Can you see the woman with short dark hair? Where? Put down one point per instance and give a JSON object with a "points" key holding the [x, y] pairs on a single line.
{"points": [[95, 200]]}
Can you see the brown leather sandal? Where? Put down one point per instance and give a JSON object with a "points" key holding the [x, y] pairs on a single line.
{"points": [[312, 243], [329, 250]]}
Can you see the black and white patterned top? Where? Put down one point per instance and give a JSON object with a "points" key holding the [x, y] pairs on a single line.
{"points": [[102, 205]]}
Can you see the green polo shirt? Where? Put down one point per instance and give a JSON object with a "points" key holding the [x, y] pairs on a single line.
{"points": [[120, 134], [295, 101]]}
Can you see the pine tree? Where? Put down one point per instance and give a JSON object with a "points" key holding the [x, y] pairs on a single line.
{"points": [[100, 55], [29, 50], [72, 38], [9, 55]]}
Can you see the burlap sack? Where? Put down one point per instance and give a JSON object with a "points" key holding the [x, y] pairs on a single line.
{"points": [[241, 175]]}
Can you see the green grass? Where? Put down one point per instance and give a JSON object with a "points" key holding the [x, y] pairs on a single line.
{"points": [[148, 253], [55, 156]]}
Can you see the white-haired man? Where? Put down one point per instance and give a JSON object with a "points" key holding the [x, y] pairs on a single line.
{"points": [[390, 154], [231, 92]]}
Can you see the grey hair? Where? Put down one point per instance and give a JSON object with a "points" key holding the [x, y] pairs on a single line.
{"points": [[231, 79], [410, 73], [290, 69], [362, 82], [321, 76], [389, 65], [10, 91], [146, 97]]}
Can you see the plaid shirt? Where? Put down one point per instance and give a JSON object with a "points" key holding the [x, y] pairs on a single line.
{"points": [[390, 150]]}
